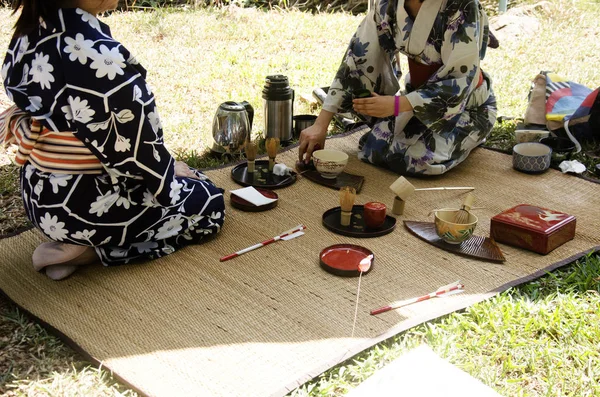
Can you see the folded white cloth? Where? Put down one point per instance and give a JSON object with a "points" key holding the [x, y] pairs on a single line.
{"points": [[253, 196]]}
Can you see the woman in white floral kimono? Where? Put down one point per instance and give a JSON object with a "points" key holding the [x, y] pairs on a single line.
{"points": [[96, 177], [447, 108]]}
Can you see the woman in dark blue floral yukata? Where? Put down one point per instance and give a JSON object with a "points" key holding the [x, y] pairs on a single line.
{"points": [[447, 108], [96, 177]]}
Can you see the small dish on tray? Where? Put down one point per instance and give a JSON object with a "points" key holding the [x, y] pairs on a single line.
{"points": [[243, 205], [344, 259], [261, 177], [357, 227]]}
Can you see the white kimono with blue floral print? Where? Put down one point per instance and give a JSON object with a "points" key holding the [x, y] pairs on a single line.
{"points": [[452, 115], [71, 75]]}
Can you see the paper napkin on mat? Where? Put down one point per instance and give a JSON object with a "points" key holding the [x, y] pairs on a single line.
{"points": [[253, 196]]}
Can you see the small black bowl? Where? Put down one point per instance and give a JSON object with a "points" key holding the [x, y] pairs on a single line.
{"points": [[562, 148], [559, 145]]}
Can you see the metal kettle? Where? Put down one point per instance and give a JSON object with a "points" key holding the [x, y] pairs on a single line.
{"points": [[232, 126]]}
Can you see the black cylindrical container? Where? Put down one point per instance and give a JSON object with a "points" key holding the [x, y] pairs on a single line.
{"points": [[278, 107]]}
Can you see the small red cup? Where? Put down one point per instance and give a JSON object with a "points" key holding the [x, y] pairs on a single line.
{"points": [[374, 214]]}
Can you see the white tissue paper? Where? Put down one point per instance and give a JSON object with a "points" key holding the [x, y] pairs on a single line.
{"points": [[281, 169], [253, 196], [572, 166]]}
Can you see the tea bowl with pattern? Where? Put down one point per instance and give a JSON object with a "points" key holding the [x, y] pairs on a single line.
{"points": [[329, 163], [531, 157], [450, 232]]}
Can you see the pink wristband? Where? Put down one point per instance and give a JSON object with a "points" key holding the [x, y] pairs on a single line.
{"points": [[396, 105]]}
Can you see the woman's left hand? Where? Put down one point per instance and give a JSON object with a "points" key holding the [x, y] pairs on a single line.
{"points": [[375, 106], [183, 170]]}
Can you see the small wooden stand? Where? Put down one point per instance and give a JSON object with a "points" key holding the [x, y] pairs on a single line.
{"points": [[398, 207]]}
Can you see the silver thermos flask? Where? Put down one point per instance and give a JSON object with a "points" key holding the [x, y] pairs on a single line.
{"points": [[279, 108]]}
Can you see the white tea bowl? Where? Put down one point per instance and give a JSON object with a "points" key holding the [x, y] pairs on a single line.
{"points": [[329, 163]]}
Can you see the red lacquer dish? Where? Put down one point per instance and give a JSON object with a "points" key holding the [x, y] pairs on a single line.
{"points": [[345, 259]]}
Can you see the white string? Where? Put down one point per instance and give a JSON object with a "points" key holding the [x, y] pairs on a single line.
{"points": [[356, 307]]}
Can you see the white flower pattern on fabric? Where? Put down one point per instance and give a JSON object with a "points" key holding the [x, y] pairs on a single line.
{"points": [[41, 70], [59, 180], [149, 200], [53, 228], [23, 45], [5, 71], [175, 191], [155, 120], [108, 63], [122, 144], [170, 228], [78, 110], [146, 246], [89, 18], [80, 49], [35, 104], [84, 235], [103, 203]]}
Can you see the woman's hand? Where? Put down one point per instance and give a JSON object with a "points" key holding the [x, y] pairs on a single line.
{"points": [[311, 139], [183, 170], [375, 106]]}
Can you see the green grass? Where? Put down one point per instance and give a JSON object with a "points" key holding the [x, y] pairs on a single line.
{"points": [[540, 339]]}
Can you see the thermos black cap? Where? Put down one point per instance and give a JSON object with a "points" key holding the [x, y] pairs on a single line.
{"points": [[277, 88]]}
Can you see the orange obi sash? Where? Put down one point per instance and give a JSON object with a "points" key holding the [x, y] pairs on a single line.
{"points": [[49, 151], [420, 73]]}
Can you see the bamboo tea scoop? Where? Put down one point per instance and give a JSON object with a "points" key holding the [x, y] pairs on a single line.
{"points": [[403, 189]]}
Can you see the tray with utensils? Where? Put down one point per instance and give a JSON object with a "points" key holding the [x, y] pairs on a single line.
{"points": [[357, 227], [261, 177], [343, 179]]}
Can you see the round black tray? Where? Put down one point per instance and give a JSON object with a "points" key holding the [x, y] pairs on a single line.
{"points": [[241, 204], [261, 177], [357, 228]]}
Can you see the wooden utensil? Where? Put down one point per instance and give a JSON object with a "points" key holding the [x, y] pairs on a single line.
{"points": [[403, 189]]}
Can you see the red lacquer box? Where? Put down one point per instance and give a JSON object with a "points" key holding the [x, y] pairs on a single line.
{"points": [[534, 228]]}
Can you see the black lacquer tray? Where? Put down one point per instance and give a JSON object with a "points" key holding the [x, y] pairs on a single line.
{"points": [[357, 228], [261, 177]]}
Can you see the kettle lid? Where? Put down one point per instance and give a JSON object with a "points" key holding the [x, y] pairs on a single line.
{"points": [[232, 106]]}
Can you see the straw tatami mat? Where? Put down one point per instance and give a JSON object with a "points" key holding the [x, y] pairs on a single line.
{"points": [[271, 319]]}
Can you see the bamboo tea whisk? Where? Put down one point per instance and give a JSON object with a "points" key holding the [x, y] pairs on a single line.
{"points": [[462, 215], [251, 150], [272, 145], [347, 196]]}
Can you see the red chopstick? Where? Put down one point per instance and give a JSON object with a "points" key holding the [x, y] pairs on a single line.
{"points": [[441, 291]]}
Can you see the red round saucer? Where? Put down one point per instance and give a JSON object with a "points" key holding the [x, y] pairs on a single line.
{"points": [[344, 259], [241, 204]]}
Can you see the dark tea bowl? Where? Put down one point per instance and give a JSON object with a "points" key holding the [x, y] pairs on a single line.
{"points": [[562, 148]]}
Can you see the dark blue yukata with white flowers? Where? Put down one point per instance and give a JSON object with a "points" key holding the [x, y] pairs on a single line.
{"points": [[71, 75]]}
